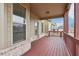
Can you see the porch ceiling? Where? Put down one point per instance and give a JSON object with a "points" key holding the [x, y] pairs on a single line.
{"points": [[48, 10]]}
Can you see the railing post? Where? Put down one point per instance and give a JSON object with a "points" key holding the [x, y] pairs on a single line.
{"points": [[65, 24], [76, 25], [61, 33]]}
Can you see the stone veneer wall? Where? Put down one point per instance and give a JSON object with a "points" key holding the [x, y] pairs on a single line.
{"points": [[34, 19], [6, 33], [7, 48], [20, 48], [17, 49]]}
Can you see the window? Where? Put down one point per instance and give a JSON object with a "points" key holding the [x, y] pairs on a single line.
{"points": [[36, 28], [71, 19], [19, 25], [42, 27]]}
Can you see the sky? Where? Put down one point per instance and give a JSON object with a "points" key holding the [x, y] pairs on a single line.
{"points": [[56, 20]]}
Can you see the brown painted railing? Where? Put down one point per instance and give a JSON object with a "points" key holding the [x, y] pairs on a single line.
{"points": [[55, 33], [72, 44]]}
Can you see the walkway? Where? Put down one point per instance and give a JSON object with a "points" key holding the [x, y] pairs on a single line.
{"points": [[48, 46]]}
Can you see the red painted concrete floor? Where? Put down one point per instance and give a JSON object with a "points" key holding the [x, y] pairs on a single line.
{"points": [[48, 46]]}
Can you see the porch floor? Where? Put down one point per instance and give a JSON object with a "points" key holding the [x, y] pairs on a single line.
{"points": [[48, 46]]}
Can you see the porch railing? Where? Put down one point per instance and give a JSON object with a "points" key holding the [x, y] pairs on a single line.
{"points": [[55, 33], [72, 44]]}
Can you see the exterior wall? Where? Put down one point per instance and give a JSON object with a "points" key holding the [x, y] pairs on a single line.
{"points": [[6, 30], [34, 19], [6, 34], [6, 25], [45, 26]]}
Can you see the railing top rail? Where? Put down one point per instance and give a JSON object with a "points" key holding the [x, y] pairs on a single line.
{"points": [[76, 40]]}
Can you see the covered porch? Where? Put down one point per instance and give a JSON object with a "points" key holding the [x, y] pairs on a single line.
{"points": [[24, 30]]}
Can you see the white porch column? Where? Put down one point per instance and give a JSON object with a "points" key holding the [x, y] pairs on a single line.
{"points": [[5, 25], [28, 23]]}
